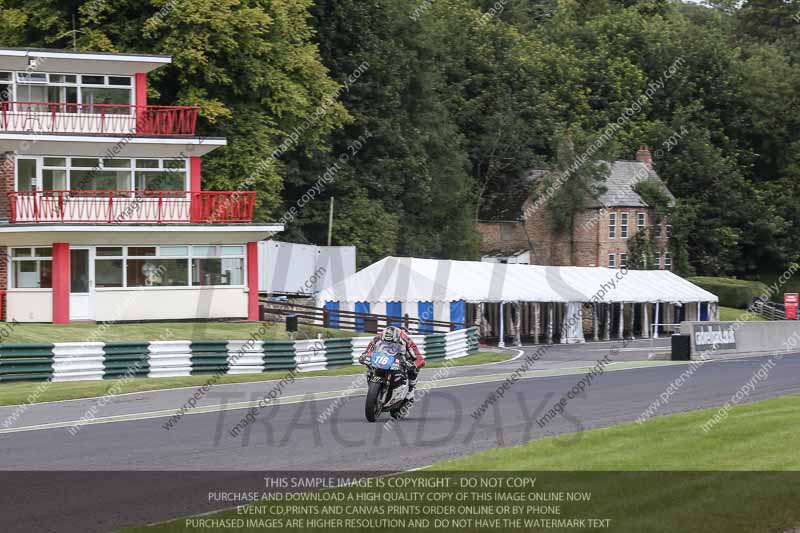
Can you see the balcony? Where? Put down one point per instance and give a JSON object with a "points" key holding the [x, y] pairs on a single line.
{"points": [[210, 207], [108, 119]]}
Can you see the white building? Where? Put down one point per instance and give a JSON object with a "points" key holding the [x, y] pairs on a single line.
{"points": [[102, 213]]}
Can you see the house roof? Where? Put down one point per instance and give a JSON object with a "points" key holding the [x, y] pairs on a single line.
{"points": [[619, 191], [622, 179]]}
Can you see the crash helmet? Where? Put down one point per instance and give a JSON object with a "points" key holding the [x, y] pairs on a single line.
{"points": [[391, 334]]}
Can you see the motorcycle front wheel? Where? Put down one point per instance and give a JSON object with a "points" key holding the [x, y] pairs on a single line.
{"points": [[373, 406]]}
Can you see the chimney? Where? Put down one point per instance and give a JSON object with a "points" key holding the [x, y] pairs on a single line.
{"points": [[644, 155]]}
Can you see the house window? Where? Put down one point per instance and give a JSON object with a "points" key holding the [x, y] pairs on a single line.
{"points": [[612, 225], [99, 94], [667, 261], [169, 266], [657, 231], [658, 260], [669, 231], [641, 221], [506, 232], [623, 226], [95, 174], [612, 261], [623, 260], [31, 268]]}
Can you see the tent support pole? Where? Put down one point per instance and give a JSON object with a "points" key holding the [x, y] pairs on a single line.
{"points": [[550, 320], [595, 325], [607, 311], [645, 320], [633, 323], [502, 342], [518, 328], [621, 320], [655, 321], [536, 322]]}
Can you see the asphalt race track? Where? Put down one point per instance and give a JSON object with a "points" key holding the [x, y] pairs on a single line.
{"points": [[171, 478]]}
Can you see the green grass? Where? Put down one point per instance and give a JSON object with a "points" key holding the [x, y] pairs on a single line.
{"points": [[752, 437], [730, 314], [663, 476], [82, 332], [17, 393]]}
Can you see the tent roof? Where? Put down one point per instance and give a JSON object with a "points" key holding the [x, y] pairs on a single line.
{"points": [[407, 279]]}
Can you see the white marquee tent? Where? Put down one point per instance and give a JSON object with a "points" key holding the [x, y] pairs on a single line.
{"points": [[402, 285]]}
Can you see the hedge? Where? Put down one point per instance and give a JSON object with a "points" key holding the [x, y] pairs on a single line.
{"points": [[736, 293]]}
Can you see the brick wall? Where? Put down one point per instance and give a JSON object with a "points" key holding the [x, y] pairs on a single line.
{"points": [[502, 236]]}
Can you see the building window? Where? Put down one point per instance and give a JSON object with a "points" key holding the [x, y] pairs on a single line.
{"points": [[669, 231], [658, 260], [506, 232], [95, 174], [99, 94], [641, 221], [612, 225], [31, 268], [623, 226], [667, 261], [169, 266], [657, 231], [612, 261], [623, 260]]}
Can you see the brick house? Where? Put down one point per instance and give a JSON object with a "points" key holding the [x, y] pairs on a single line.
{"points": [[601, 234]]}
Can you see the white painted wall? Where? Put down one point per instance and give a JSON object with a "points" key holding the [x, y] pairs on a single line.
{"points": [[175, 303], [30, 305]]}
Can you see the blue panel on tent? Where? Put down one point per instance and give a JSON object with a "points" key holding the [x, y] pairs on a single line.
{"points": [[425, 310], [361, 307], [703, 311], [457, 312], [394, 309], [332, 307]]}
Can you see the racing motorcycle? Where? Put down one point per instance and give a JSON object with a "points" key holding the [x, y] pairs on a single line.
{"points": [[387, 379]]}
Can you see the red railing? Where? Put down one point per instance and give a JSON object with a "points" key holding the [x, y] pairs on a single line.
{"points": [[45, 117], [131, 206]]}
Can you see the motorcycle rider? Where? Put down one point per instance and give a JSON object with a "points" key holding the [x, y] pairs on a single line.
{"points": [[398, 335]]}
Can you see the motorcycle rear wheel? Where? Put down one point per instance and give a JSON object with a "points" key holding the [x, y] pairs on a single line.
{"points": [[373, 405]]}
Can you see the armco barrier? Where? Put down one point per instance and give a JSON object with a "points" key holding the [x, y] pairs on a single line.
{"points": [[279, 355], [245, 357], [339, 352], [435, 346], [29, 362], [123, 358], [170, 359], [721, 340], [310, 355], [209, 357], [93, 361]]}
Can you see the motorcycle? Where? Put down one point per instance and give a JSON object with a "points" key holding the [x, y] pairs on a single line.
{"points": [[387, 379]]}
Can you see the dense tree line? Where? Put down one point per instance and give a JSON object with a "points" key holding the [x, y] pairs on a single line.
{"points": [[441, 105]]}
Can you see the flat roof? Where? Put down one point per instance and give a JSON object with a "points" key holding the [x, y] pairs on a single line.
{"points": [[79, 62]]}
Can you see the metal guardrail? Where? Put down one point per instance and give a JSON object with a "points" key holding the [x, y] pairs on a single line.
{"points": [[768, 310]]}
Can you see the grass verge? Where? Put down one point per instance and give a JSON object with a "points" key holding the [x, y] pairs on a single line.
{"points": [[112, 332], [731, 314], [18, 393]]}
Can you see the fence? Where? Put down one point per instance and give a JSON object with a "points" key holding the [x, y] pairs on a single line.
{"points": [[350, 320], [75, 361], [768, 310]]}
